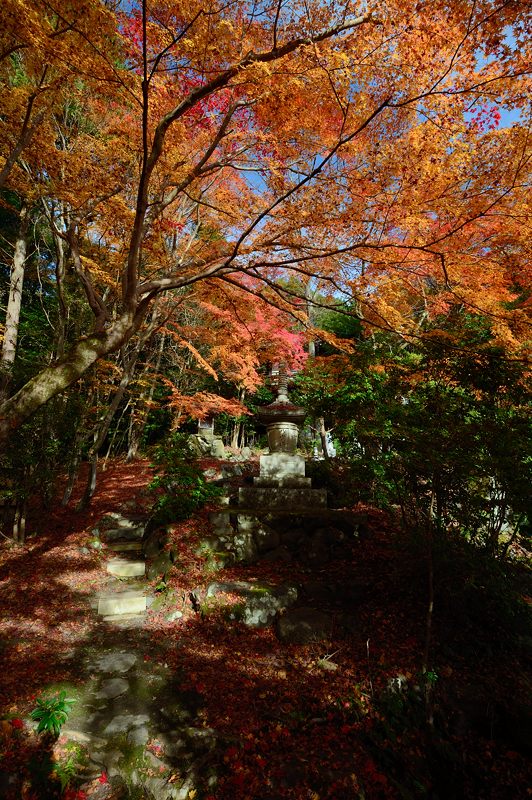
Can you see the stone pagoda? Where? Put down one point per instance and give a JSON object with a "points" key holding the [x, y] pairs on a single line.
{"points": [[282, 484]]}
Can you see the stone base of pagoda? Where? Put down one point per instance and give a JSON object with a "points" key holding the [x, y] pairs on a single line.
{"points": [[281, 497], [279, 466]]}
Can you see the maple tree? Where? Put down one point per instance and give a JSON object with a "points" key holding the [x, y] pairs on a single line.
{"points": [[237, 145]]}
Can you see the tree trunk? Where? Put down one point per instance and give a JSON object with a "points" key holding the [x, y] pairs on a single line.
{"points": [[136, 427], [19, 523], [53, 380], [14, 304], [59, 282], [237, 435], [73, 469], [133, 437], [323, 438]]}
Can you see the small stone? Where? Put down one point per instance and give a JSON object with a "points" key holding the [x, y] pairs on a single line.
{"points": [[232, 471], [212, 474], [261, 609], [217, 449], [122, 522], [266, 538], [219, 520], [97, 757], [111, 758], [154, 762]]}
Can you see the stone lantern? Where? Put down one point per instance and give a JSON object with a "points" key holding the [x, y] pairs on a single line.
{"points": [[282, 483], [282, 419]]}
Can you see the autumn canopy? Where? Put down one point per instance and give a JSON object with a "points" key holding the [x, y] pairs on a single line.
{"points": [[205, 154], [222, 216]]}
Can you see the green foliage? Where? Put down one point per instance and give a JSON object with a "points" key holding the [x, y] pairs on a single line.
{"points": [[440, 432], [344, 323], [179, 483], [68, 767], [431, 676], [159, 417], [52, 712], [41, 448]]}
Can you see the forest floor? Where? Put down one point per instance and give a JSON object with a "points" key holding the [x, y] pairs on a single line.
{"points": [[351, 717]]}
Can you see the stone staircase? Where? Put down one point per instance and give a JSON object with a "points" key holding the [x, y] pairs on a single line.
{"points": [[124, 600]]}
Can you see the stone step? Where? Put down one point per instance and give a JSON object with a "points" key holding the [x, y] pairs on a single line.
{"points": [[122, 603], [124, 568], [125, 547], [121, 521], [126, 619], [126, 534]]}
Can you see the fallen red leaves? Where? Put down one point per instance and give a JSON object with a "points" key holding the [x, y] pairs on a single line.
{"points": [[288, 727]]}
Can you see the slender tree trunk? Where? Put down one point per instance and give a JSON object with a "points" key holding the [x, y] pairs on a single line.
{"points": [[73, 469], [113, 437], [103, 429], [136, 427], [59, 281], [19, 522], [323, 438], [14, 304], [133, 435], [237, 434]]}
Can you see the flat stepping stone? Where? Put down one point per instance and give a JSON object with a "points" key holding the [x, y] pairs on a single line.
{"points": [[124, 547], [122, 568], [114, 661], [122, 603], [125, 722], [111, 688]]}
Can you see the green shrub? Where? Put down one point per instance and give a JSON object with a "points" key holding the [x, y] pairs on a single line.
{"points": [[52, 712], [179, 483]]}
